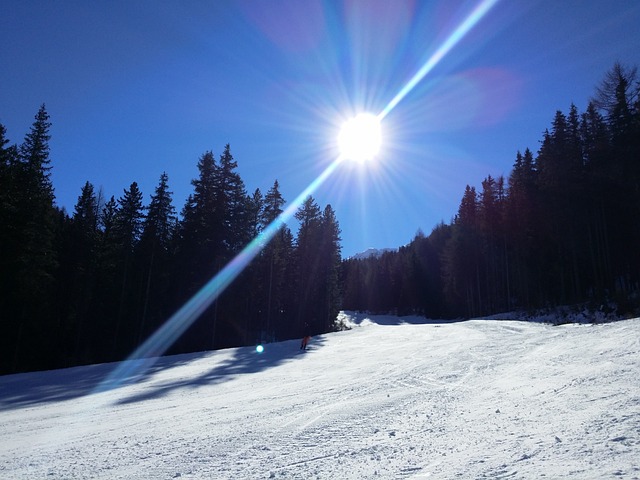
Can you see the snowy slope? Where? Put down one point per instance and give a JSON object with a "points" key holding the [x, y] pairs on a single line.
{"points": [[476, 399]]}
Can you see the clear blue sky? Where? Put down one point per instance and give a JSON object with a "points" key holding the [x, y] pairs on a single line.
{"points": [[135, 88]]}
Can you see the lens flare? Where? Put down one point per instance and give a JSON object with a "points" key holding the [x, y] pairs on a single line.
{"points": [[259, 349], [458, 34], [158, 343]]}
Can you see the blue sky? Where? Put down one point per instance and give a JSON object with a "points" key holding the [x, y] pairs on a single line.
{"points": [[135, 88]]}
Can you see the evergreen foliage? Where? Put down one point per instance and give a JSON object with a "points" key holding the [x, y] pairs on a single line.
{"points": [[563, 230], [92, 286], [89, 287]]}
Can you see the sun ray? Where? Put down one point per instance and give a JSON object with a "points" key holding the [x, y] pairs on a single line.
{"points": [[458, 34], [165, 336], [158, 343]]}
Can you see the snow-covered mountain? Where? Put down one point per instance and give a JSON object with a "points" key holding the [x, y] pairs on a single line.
{"points": [[391, 398], [372, 252]]}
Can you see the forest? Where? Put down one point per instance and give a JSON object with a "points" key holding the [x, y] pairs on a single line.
{"points": [[89, 286], [562, 229]]}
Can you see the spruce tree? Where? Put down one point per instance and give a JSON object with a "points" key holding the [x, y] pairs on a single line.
{"points": [[276, 265], [200, 239], [76, 277], [462, 259], [273, 203], [8, 219], [329, 252], [198, 250], [230, 198], [35, 259], [154, 257], [308, 282], [127, 227]]}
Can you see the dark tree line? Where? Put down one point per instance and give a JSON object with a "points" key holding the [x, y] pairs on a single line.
{"points": [[93, 285], [563, 228], [90, 286]]}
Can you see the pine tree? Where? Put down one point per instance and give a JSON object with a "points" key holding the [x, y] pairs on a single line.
{"points": [[9, 248], [8, 219], [254, 208], [35, 258], [127, 228], [273, 203], [198, 252], [235, 230], [255, 288], [309, 319], [522, 225], [615, 96], [8, 162], [494, 256], [230, 198], [275, 265], [108, 285], [618, 97], [154, 257], [200, 239], [555, 172], [76, 277], [329, 253], [462, 258]]}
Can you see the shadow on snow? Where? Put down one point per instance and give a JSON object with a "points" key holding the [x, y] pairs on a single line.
{"points": [[35, 388], [244, 360]]}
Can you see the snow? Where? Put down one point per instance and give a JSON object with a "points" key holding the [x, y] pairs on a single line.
{"points": [[372, 252], [390, 398]]}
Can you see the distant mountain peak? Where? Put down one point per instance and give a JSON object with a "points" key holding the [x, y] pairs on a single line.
{"points": [[372, 252]]}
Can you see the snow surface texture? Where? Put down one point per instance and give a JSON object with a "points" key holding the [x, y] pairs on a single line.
{"points": [[391, 398]]}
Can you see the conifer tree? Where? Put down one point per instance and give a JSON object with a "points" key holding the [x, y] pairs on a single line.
{"points": [[9, 248], [317, 259], [154, 256], [255, 290], [254, 207], [198, 251], [275, 264], [8, 160], [8, 219], [329, 252], [200, 238], [273, 203], [461, 258], [308, 282], [81, 265], [230, 198], [522, 220], [35, 257], [127, 227], [235, 230]]}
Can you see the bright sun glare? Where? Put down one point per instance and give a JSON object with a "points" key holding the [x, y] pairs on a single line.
{"points": [[360, 138]]}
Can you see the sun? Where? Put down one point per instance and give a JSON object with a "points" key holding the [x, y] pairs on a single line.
{"points": [[360, 138]]}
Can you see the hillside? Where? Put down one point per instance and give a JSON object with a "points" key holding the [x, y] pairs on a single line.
{"points": [[390, 398]]}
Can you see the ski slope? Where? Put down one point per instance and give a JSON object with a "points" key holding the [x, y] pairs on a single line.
{"points": [[391, 398]]}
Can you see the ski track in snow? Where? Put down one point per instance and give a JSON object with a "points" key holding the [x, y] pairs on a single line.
{"points": [[476, 399]]}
